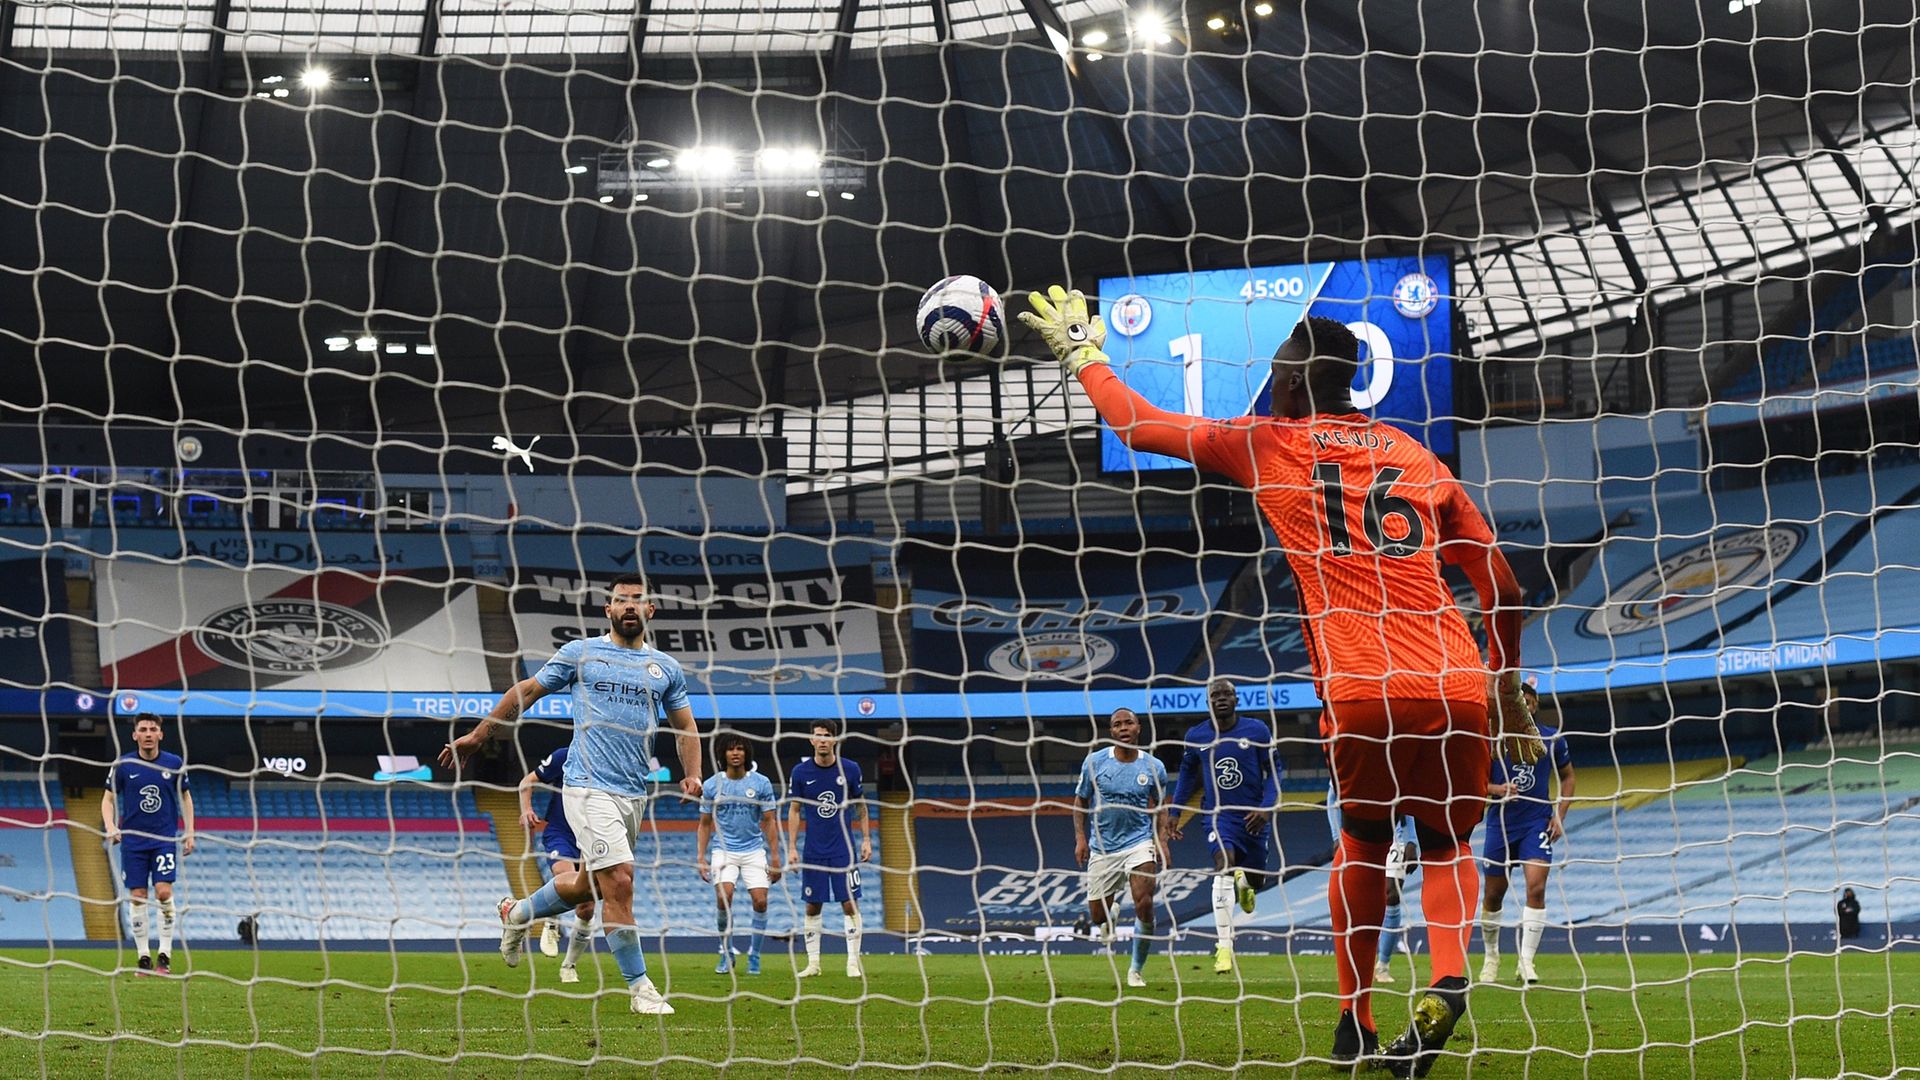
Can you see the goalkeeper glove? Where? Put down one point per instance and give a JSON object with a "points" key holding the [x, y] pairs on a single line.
{"points": [[1062, 321], [1522, 735]]}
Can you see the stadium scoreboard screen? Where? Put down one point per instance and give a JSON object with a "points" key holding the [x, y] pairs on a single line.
{"points": [[1201, 343]]}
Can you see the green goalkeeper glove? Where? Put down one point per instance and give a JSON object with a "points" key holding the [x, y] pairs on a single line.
{"points": [[1074, 336]]}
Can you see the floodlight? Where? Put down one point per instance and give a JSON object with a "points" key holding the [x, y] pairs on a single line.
{"points": [[316, 78], [1094, 38]]}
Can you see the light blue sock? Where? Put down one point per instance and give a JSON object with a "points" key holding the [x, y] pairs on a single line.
{"points": [[624, 943], [1390, 933], [1142, 931], [759, 929], [543, 904]]}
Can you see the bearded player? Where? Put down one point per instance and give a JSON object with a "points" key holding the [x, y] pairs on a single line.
{"points": [[1365, 516], [623, 690]]}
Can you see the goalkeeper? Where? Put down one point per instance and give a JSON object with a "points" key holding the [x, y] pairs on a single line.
{"points": [[1365, 515]]}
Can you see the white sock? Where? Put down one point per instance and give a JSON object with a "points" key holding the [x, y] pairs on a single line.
{"points": [[137, 922], [1533, 923], [853, 935], [166, 926], [1490, 932], [810, 927], [1223, 902], [581, 940]]}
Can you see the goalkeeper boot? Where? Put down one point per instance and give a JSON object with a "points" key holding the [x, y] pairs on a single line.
{"points": [[1223, 959], [146, 966], [1243, 889], [1383, 973], [1435, 1014], [648, 1001], [163, 964], [513, 939], [569, 973], [1351, 1042], [550, 939]]}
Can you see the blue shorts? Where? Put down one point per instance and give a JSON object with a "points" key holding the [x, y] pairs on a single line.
{"points": [[141, 863], [1228, 833], [829, 886], [559, 844], [1511, 842]]}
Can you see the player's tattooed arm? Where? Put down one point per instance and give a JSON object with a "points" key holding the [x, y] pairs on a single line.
{"points": [[512, 704]]}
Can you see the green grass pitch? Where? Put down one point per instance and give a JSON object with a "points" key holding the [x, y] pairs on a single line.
{"points": [[350, 1014]]}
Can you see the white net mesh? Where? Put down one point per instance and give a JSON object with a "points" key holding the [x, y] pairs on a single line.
{"points": [[357, 348]]}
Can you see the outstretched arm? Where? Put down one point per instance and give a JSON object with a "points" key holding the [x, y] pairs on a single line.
{"points": [[1076, 336]]}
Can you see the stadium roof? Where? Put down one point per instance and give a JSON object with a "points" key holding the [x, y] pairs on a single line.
{"points": [[174, 202]]}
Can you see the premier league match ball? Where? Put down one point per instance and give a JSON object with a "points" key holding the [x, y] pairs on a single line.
{"points": [[961, 314]]}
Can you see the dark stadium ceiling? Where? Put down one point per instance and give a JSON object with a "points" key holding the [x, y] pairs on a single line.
{"points": [[183, 223]]}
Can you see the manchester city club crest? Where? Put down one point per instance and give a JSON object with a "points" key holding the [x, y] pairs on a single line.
{"points": [[1693, 580], [1059, 655], [656, 671], [286, 635], [1130, 315]]}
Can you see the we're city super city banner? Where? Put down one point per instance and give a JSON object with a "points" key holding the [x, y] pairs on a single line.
{"points": [[742, 614]]}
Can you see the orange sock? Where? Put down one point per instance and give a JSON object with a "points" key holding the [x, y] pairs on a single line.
{"points": [[1357, 893], [1449, 898]]}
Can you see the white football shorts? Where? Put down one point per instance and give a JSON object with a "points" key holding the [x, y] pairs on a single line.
{"points": [[748, 868], [604, 824], [1108, 874]]}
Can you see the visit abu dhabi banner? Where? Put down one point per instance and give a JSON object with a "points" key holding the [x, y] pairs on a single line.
{"points": [[742, 614]]}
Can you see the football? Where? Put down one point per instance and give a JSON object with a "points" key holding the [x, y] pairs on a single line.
{"points": [[961, 314]]}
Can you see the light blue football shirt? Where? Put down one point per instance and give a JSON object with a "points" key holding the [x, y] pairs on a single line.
{"points": [[621, 697], [1124, 796], [737, 807]]}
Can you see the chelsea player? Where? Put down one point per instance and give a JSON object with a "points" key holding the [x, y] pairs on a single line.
{"points": [[1229, 760], [1522, 825], [622, 688], [147, 804], [739, 802], [1122, 790], [823, 790], [563, 857]]}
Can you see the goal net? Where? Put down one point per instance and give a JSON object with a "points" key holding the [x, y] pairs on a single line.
{"points": [[359, 349]]}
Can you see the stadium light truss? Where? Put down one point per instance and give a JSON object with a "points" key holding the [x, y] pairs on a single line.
{"points": [[653, 170]]}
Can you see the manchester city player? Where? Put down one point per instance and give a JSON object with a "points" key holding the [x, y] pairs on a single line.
{"points": [[1122, 790], [1522, 824], [1229, 760], [739, 802], [824, 790], [148, 805], [562, 855], [622, 688]]}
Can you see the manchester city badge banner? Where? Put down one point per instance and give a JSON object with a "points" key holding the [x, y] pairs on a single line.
{"points": [[1730, 582], [1050, 621], [742, 614], [208, 628]]}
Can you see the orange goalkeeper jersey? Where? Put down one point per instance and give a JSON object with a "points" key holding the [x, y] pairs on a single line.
{"points": [[1364, 514]]}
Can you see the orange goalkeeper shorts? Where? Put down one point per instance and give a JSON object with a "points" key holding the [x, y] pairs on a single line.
{"points": [[1424, 758]]}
